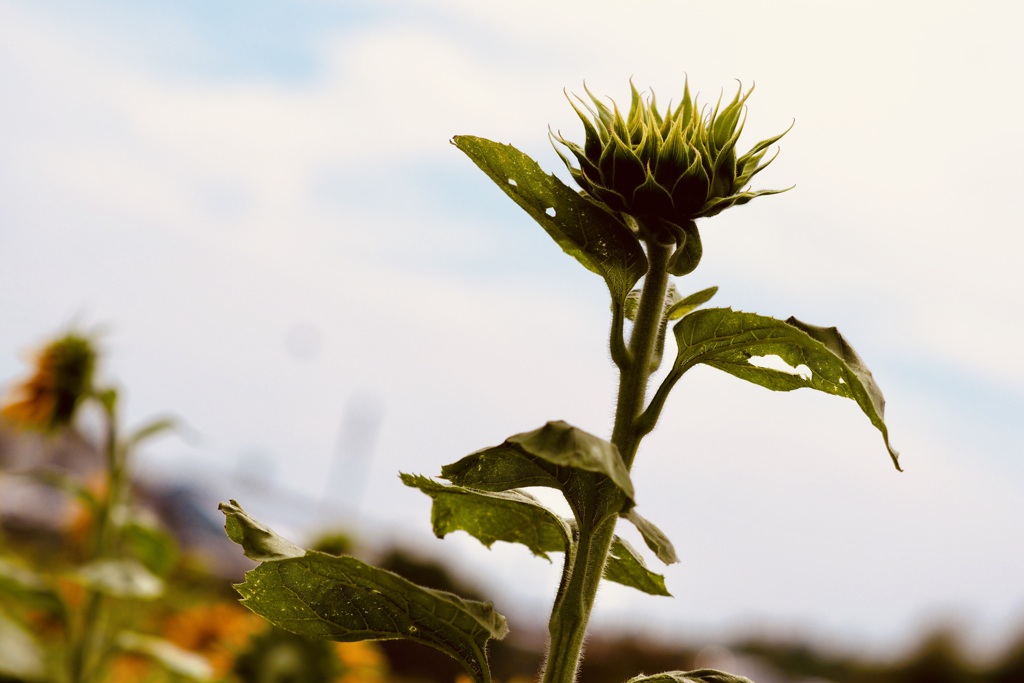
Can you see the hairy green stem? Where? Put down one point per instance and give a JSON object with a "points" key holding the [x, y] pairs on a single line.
{"points": [[584, 569]]}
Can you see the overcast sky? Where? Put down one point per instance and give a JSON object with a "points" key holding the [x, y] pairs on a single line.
{"points": [[258, 205]]}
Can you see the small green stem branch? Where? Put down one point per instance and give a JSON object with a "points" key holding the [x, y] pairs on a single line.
{"points": [[583, 570], [82, 661]]}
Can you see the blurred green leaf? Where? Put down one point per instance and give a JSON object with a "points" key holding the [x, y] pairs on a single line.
{"points": [[728, 340], [30, 589], [21, 655], [587, 232], [698, 676], [489, 516], [122, 578], [150, 542], [167, 654], [149, 430], [654, 537], [557, 455], [625, 566]]}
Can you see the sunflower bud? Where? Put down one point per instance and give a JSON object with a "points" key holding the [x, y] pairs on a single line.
{"points": [[62, 377], [665, 169]]}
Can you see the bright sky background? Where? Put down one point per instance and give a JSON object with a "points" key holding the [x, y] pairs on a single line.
{"points": [[258, 204]]}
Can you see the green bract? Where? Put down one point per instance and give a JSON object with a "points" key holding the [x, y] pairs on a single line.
{"points": [[665, 169]]}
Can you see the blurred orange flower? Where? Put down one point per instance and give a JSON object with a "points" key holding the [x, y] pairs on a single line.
{"points": [[363, 662], [130, 668], [217, 632]]}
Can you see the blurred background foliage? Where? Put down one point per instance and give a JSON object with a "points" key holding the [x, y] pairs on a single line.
{"points": [[51, 467]]}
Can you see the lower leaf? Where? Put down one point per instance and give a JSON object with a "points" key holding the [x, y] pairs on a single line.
{"points": [[325, 596]]}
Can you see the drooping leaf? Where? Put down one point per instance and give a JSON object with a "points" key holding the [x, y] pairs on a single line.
{"points": [[698, 676], [340, 598], [170, 656], [728, 339], [557, 455], [517, 517], [593, 236], [489, 516], [625, 566], [258, 542], [686, 257], [123, 578], [690, 303], [654, 537]]}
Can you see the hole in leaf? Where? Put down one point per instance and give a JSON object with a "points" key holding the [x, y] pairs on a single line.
{"points": [[512, 182], [776, 363], [550, 211]]}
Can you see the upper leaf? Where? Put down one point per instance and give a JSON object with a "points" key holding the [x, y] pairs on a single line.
{"points": [[340, 598], [728, 339], [698, 676], [584, 230], [489, 516], [557, 455]]}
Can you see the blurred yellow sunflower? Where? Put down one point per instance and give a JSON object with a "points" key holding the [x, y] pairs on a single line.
{"points": [[217, 631], [362, 662], [62, 377]]}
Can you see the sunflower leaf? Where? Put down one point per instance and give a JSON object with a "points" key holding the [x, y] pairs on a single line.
{"points": [[323, 596], [584, 230]]}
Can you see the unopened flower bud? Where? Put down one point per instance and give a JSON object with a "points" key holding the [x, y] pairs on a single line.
{"points": [[665, 169]]}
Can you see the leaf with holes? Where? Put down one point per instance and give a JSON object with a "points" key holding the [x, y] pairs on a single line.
{"points": [[340, 598], [728, 340], [584, 230]]}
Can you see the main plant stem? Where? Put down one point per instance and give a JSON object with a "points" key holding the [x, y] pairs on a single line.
{"points": [[584, 569]]}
